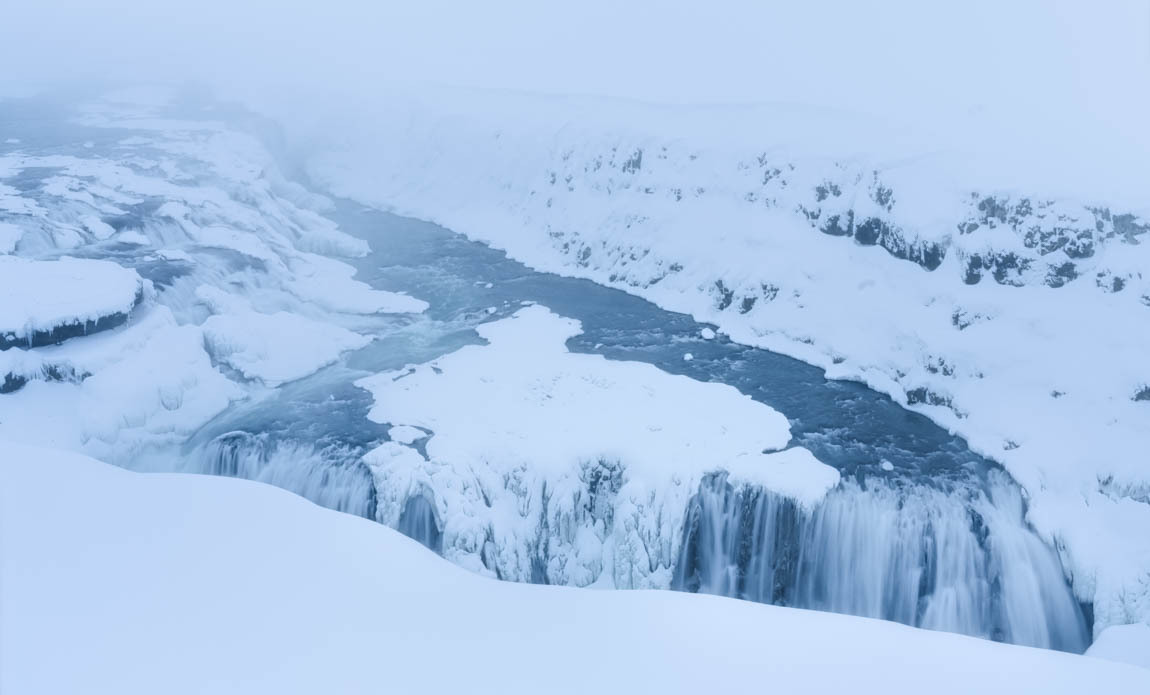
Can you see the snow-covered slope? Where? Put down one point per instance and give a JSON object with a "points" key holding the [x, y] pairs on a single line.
{"points": [[116, 582], [976, 282]]}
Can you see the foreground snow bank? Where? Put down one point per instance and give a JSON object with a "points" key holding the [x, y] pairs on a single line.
{"points": [[1005, 301], [1126, 643], [44, 302], [192, 584]]}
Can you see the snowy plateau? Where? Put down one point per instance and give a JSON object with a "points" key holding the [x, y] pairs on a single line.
{"points": [[567, 383]]}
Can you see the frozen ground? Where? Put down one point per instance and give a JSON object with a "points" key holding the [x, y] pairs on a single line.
{"points": [[146, 583]]}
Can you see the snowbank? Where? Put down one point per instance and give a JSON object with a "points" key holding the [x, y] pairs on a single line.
{"points": [[1125, 643], [526, 435], [999, 290], [44, 302], [146, 583]]}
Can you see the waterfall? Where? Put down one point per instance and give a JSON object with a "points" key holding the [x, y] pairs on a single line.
{"points": [[332, 477], [961, 560], [418, 521]]}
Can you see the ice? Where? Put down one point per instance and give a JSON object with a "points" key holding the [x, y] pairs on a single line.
{"points": [[276, 348], [246, 576], [707, 334], [405, 434]]}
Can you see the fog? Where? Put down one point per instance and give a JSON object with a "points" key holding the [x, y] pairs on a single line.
{"points": [[1060, 74], [904, 55]]}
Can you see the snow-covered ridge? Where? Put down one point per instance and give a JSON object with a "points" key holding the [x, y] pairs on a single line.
{"points": [[973, 289], [199, 584]]}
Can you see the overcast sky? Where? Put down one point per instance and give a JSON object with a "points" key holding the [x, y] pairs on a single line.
{"points": [[914, 59]]}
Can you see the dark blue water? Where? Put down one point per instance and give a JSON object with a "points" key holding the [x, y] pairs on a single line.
{"points": [[844, 423]]}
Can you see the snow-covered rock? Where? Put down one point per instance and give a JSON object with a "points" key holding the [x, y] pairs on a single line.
{"points": [[46, 302], [192, 584], [549, 465], [278, 347]]}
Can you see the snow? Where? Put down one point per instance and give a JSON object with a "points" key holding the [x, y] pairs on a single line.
{"points": [[132, 237], [707, 334], [40, 296], [521, 429], [276, 348], [144, 385], [846, 242], [9, 236], [1125, 643], [99, 228], [330, 284], [405, 434], [191, 584], [525, 397]]}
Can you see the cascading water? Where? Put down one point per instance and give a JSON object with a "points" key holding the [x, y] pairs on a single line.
{"points": [[334, 479], [418, 521], [960, 560]]}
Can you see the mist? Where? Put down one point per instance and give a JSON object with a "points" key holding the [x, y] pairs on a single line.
{"points": [[1088, 62]]}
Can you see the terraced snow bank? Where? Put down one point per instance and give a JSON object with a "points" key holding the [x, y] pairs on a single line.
{"points": [[999, 286], [120, 577], [45, 302], [226, 266]]}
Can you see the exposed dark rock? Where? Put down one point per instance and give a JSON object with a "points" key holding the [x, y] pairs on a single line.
{"points": [[15, 382]]}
